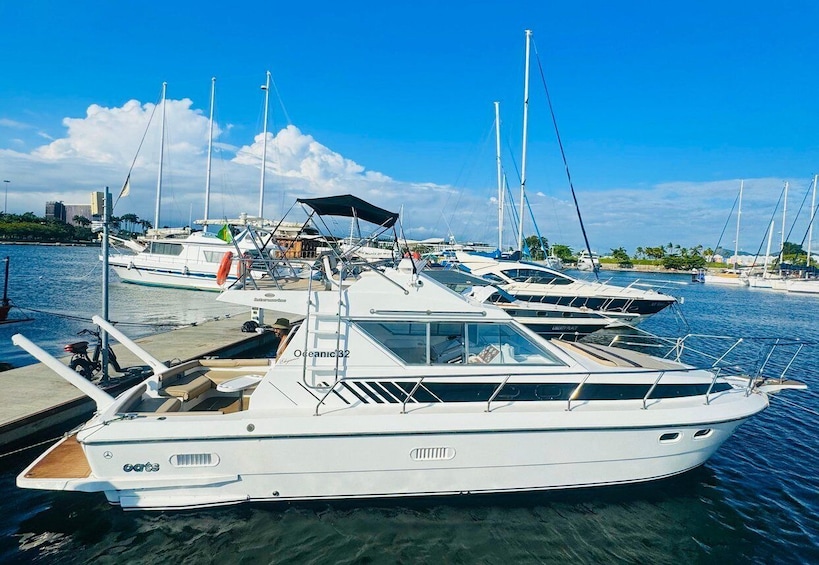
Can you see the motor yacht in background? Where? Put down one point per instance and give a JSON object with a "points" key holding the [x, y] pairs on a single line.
{"points": [[531, 282], [547, 320], [588, 262], [205, 261]]}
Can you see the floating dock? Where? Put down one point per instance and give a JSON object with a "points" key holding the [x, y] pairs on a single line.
{"points": [[36, 399]]}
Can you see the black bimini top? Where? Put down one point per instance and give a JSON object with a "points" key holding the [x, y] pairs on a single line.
{"points": [[350, 206]]}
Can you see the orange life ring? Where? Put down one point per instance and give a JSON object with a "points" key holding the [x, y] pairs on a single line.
{"points": [[224, 268], [243, 265]]}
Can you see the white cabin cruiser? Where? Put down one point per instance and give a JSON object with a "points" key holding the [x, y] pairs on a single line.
{"points": [[393, 387], [588, 262], [204, 261], [531, 282]]}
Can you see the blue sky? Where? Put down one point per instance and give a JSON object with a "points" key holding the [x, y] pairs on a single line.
{"points": [[662, 107]]}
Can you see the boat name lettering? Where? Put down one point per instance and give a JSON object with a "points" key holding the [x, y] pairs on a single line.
{"points": [[141, 467], [341, 353], [269, 300]]}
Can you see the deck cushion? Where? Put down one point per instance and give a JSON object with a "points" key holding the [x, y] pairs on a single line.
{"points": [[190, 390]]}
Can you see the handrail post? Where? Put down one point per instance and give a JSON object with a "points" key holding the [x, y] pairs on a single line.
{"points": [[788, 366], [494, 394], [711, 386], [576, 391], [410, 395], [653, 386], [326, 394]]}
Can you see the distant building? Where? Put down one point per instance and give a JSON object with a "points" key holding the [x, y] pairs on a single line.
{"points": [[74, 210], [55, 211], [67, 212]]}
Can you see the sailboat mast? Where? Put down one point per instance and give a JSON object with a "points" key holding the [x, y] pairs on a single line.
{"points": [[768, 251], [784, 213], [210, 151], [500, 175], [266, 89], [525, 126], [161, 158], [812, 214], [739, 216]]}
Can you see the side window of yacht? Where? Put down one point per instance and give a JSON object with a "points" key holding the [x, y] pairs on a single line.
{"points": [[406, 340], [162, 248], [213, 256], [446, 343], [500, 343]]}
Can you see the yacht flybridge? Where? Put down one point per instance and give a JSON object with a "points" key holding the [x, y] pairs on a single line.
{"points": [[396, 386]]}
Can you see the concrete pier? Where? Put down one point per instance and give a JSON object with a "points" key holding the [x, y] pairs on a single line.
{"points": [[35, 399]]}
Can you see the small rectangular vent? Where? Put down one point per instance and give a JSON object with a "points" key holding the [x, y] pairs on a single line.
{"points": [[432, 453], [195, 460]]}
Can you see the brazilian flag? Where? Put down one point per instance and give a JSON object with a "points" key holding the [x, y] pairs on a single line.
{"points": [[225, 234]]}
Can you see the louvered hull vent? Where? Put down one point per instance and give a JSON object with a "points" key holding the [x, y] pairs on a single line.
{"points": [[432, 453], [195, 460]]}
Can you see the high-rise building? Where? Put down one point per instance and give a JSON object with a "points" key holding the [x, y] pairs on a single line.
{"points": [[55, 211]]}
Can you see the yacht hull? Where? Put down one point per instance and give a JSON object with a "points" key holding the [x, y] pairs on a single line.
{"points": [[169, 277], [152, 473]]}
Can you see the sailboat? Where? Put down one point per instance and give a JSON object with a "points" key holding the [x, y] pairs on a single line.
{"points": [[733, 277], [179, 258], [809, 284], [765, 279]]}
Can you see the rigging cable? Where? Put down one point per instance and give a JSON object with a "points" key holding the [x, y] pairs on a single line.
{"points": [[595, 267], [728, 219], [761, 243], [125, 185]]}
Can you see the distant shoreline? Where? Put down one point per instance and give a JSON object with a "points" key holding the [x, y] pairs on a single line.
{"points": [[53, 243]]}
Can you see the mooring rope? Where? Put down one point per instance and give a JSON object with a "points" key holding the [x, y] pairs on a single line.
{"points": [[795, 405]]}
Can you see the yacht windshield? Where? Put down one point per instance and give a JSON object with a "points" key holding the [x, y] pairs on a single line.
{"points": [[537, 276], [433, 343]]}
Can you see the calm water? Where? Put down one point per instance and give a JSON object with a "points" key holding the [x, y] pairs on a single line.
{"points": [[756, 500]]}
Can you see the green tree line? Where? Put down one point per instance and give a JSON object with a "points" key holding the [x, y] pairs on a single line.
{"points": [[670, 255], [29, 227]]}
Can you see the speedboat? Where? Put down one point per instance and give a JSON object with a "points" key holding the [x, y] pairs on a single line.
{"points": [[396, 386], [532, 282]]}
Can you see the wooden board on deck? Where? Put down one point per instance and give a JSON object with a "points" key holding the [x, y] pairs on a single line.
{"points": [[67, 461]]}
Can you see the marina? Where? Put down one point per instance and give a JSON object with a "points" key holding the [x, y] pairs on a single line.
{"points": [[743, 458], [306, 384]]}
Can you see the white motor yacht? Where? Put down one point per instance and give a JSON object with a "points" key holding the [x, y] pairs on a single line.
{"points": [[546, 320], [588, 262], [204, 261], [393, 387], [531, 282], [396, 386]]}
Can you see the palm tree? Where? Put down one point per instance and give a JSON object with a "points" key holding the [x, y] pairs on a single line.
{"points": [[81, 221], [130, 221]]}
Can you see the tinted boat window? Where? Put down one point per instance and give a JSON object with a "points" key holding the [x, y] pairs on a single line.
{"points": [[161, 248], [536, 276], [455, 342]]}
